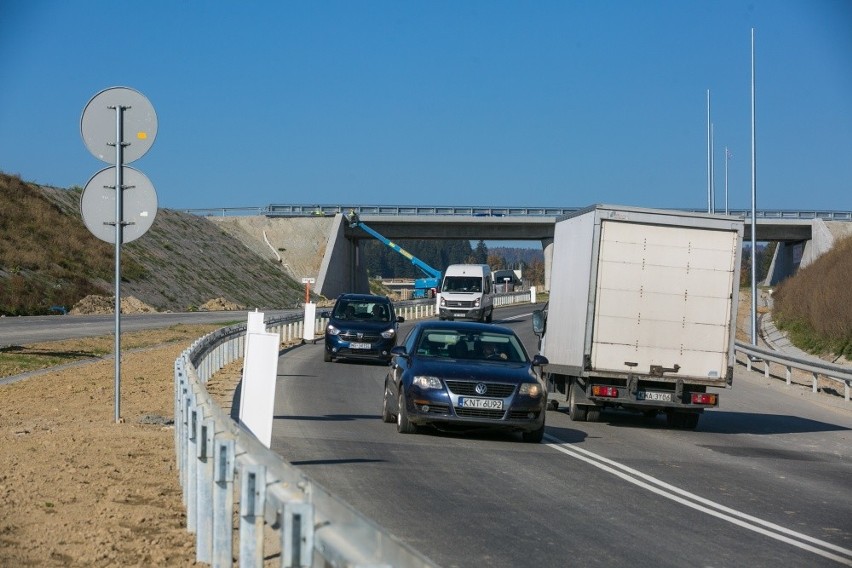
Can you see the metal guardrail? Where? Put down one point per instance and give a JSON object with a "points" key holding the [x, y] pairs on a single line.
{"points": [[220, 463], [836, 373]]}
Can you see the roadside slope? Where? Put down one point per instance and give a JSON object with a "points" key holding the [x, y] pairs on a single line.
{"points": [[179, 264]]}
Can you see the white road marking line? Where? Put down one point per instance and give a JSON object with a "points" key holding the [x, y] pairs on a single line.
{"points": [[701, 504]]}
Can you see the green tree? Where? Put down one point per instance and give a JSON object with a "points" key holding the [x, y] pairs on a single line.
{"points": [[480, 254]]}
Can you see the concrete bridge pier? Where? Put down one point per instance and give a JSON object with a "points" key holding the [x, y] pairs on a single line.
{"points": [[790, 255], [785, 262], [340, 271]]}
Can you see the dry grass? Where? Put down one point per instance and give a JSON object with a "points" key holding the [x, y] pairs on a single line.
{"points": [[47, 257], [815, 306]]}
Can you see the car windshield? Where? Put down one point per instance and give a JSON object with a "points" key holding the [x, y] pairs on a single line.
{"points": [[462, 284], [478, 346], [362, 310]]}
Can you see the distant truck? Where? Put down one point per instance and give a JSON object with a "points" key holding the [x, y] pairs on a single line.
{"points": [[467, 291], [506, 280], [642, 311]]}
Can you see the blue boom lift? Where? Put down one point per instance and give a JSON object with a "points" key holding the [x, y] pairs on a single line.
{"points": [[423, 287]]}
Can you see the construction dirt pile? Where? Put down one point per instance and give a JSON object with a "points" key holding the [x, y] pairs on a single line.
{"points": [[219, 305], [93, 305]]}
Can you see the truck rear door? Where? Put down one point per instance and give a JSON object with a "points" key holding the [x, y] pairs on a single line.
{"points": [[664, 297]]}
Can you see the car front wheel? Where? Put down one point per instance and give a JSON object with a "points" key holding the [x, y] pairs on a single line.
{"points": [[534, 437], [403, 425], [386, 413]]}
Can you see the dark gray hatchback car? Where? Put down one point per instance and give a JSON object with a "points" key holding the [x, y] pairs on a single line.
{"points": [[361, 326]]}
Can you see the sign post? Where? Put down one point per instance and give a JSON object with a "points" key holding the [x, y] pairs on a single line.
{"points": [[309, 327], [107, 117]]}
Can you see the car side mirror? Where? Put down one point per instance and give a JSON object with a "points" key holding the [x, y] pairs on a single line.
{"points": [[539, 322], [326, 315], [539, 360], [399, 350], [400, 319]]}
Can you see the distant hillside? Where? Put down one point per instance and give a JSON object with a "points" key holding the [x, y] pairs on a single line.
{"points": [[48, 258]]}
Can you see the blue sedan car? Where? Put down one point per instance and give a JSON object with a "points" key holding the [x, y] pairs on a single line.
{"points": [[361, 326], [450, 374]]}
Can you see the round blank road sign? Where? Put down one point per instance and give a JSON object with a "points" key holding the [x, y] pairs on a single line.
{"points": [[98, 124], [139, 204]]}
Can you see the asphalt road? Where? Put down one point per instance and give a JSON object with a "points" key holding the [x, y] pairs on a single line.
{"points": [[765, 480]]}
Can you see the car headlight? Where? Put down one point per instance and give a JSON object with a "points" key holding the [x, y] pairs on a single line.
{"points": [[443, 301], [530, 389], [476, 303], [388, 333], [425, 382], [331, 330]]}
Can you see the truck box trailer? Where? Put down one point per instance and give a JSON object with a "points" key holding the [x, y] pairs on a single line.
{"points": [[642, 311]]}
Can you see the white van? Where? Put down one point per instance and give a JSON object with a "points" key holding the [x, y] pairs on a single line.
{"points": [[467, 291]]}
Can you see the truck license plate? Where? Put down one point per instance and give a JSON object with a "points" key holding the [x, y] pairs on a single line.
{"points": [[651, 395], [355, 345], [488, 403]]}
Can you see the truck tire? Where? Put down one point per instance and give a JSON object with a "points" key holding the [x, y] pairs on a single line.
{"points": [[577, 412], [682, 420], [489, 316], [690, 420], [593, 414]]}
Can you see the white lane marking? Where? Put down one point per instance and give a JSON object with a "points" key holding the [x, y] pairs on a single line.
{"points": [[517, 317], [701, 504]]}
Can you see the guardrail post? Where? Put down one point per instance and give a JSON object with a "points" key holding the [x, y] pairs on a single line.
{"points": [[846, 385], [297, 535], [766, 368], [185, 404], [252, 502], [789, 375], [814, 388], [204, 505], [180, 384], [191, 465], [224, 455]]}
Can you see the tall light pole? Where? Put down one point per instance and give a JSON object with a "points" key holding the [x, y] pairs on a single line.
{"points": [[727, 157], [753, 205], [709, 172], [712, 171]]}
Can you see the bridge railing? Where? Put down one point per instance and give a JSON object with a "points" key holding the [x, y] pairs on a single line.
{"points": [[323, 210], [835, 373]]}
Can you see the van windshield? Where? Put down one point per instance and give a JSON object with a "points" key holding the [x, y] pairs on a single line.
{"points": [[462, 284]]}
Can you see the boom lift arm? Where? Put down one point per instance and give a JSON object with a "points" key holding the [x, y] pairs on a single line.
{"points": [[423, 287]]}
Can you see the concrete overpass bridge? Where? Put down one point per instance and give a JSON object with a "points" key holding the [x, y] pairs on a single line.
{"points": [[802, 235]]}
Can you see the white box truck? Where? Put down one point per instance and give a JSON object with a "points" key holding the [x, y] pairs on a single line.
{"points": [[467, 291], [642, 311]]}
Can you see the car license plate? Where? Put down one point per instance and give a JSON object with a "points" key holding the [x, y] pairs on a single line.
{"points": [[487, 403], [651, 395], [355, 345]]}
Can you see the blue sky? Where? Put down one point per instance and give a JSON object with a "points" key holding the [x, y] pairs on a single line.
{"points": [[442, 103]]}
